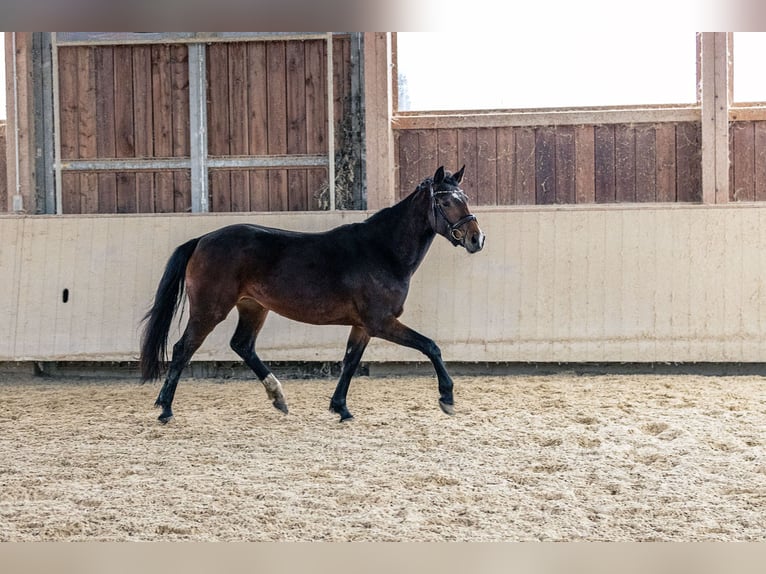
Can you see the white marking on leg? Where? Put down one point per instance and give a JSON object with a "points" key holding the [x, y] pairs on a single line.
{"points": [[273, 387]]}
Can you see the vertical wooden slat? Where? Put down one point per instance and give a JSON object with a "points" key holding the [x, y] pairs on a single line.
{"points": [[565, 165], [486, 166], [105, 136], [408, 153], [3, 171], [524, 183], [688, 165], [162, 125], [257, 106], [448, 154], [123, 125], [428, 153], [467, 154], [277, 123], [87, 147], [506, 166], [238, 130], [219, 140], [545, 165], [69, 122], [665, 149], [179, 72], [142, 112], [646, 164], [743, 156], [316, 114], [585, 176], [296, 123], [760, 161], [625, 164], [605, 164]]}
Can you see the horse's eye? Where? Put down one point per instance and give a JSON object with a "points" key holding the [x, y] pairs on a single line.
{"points": [[446, 203]]}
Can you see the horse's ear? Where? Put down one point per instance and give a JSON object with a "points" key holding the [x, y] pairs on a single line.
{"points": [[459, 175], [439, 175]]}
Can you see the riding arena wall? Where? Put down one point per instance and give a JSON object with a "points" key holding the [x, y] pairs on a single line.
{"points": [[610, 238]]}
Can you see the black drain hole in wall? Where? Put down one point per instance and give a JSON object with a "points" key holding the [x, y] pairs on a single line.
{"points": [[65, 295]]}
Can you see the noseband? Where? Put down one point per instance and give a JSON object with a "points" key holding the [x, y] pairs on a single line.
{"points": [[454, 228]]}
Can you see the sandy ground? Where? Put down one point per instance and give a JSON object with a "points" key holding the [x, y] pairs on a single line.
{"points": [[560, 457]]}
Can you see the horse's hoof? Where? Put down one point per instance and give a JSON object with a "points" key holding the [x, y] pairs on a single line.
{"points": [[280, 406], [346, 417], [164, 419], [447, 409]]}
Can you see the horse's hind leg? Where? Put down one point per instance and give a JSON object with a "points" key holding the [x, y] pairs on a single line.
{"points": [[251, 319], [187, 345]]}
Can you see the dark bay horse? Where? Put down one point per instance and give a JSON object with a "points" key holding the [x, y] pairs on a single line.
{"points": [[356, 274]]}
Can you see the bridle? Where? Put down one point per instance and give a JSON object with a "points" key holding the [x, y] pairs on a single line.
{"points": [[454, 228]]}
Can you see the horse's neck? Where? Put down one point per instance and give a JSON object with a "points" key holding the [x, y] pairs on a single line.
{"points": [[406, 230]]}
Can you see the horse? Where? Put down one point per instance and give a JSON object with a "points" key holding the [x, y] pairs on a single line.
{"points": [[356, 274]]}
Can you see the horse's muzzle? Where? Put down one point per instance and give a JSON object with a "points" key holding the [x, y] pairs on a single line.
{"points": [[474, 241]]}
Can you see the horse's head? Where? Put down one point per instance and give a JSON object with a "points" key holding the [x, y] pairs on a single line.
{"points": [[450, 215]]}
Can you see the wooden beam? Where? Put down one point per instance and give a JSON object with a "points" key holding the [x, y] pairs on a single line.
{"points": [[20, 152], [378, 84], [715, 97]]}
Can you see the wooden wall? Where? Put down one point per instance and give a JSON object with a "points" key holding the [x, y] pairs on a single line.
{"points": [[747, 172], [132, 101], [560, 164]]}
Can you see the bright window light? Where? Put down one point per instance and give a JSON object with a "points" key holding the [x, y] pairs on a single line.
{"points": [[749, 81], [465, 71]]}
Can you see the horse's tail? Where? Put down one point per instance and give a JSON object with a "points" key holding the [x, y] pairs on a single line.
{"points": [[166, 301]]}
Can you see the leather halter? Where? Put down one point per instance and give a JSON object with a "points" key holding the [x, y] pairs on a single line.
{"points": [[454, 228]]}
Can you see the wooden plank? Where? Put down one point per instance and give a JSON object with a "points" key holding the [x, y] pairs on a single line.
{"points": [[665, 150], [379, 135], [408, 170], [144, 134], [537, 118], [277, 122], [87, 146], [467, 150], [506, 165], [3, 169], [257, 106], [162, 125], [646, 164], [585, 165], [743, 160], [124, 126], [218, 124], [69, 122], [625, 163], [486, 166], [179, 74], [524, 183], [566, 161], [605, 164], [238, 130], [297, 185], [428, 160], [105, 134], [316, 114], [447, 150], [760, 161], [545, 165], [688, 164]]}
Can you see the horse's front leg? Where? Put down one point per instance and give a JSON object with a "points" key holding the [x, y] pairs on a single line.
{"points": [[357, 343], [399, 333]]}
